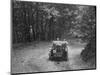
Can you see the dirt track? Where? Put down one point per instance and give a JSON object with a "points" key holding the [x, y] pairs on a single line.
{"points": [[34, 58]]}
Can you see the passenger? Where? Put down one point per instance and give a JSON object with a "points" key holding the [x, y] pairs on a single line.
{"points": [[64, 44], [65, 41], [55, 43]]}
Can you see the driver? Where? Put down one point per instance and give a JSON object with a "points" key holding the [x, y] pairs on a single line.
{"points": [[60, 43], [57, 42]]}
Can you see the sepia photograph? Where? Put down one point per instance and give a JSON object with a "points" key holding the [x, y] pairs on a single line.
{"points": [[52, 37]]}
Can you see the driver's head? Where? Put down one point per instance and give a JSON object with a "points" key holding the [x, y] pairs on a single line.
{"points": [[57, 39]]}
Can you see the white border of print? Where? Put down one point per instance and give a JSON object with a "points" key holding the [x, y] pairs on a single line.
{"points": [[5, 37]]}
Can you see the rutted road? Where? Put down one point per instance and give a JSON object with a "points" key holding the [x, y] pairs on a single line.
{"points": [[34, 58]]}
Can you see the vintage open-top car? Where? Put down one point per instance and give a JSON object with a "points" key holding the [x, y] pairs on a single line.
{"points": [[59, 51]]}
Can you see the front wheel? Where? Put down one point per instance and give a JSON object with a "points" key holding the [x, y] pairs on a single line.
{"points": [[65, 56], [50, 56]]}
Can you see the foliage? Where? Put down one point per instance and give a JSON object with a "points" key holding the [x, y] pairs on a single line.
{"points": [[34, 21]]}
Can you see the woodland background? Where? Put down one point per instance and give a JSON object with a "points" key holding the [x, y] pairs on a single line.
{"points": [[35, 21]]}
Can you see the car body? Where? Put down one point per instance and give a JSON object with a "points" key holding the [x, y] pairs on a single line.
{"points": [[58, 52]]}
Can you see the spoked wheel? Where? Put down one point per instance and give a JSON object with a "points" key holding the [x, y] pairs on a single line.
{"points": [[65, 56]]}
